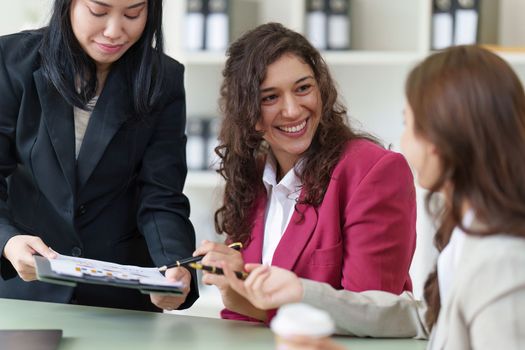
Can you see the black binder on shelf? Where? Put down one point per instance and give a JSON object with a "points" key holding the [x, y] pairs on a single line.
{"points": [[96, 272], [194, 22], [338, 24], [217, 25], [30, 339], [316, 23], [466, 22], [442, 24]]}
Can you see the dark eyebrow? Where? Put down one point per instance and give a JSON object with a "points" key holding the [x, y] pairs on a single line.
{"points": [[296, 82], [304, 78], [108, 5]]}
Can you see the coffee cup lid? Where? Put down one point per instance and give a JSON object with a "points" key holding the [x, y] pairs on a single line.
{"points": [[302, 319]]}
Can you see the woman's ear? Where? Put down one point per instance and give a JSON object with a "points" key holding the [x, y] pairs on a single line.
{"points": [[433, 150]]}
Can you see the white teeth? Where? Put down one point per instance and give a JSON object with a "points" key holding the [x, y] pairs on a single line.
{"points": [[296, 128]]}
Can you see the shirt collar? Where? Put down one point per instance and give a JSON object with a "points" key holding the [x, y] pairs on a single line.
{"points": [[291, 182]]}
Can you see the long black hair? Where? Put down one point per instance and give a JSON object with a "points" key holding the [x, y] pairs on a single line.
{"points": [[63, 60]]}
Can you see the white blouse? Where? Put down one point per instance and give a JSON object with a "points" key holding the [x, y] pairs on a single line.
{"points": [[282, 197]]}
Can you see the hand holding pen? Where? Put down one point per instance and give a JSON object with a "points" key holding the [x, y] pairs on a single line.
{"points": [[215, 254], [216, 270], [184, 262]]}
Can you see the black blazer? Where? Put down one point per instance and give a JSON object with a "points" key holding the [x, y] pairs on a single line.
{"points": [[121, 201]]}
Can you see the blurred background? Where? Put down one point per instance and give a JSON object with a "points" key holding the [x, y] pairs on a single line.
{"points": [[370, 45]]}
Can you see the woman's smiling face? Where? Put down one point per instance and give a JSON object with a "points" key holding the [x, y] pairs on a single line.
{"points": [[291, 108], [106, 29]]}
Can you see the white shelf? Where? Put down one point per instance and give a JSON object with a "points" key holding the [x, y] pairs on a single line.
{"points": [[203, 179], [341, 58], [350, 57], [512, 58]]}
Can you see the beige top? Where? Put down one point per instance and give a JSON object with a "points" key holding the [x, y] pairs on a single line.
{"points": [[81, 122], [485, 308]]}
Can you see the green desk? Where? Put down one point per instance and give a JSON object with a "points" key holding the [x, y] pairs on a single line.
{"points": [[94, 328]]}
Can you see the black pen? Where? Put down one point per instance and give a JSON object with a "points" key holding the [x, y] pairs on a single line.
{"points": [[216, 270], [178, 263]]}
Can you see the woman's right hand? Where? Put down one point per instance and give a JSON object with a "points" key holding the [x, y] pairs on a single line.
{"points": [[19, 250], [267, 287]]}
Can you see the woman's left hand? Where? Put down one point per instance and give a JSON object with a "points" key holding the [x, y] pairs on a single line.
{"points": [[218, 254], [172, 302], [214, 254]]}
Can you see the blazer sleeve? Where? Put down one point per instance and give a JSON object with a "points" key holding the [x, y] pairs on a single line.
{"points": [[164, 210], [369, 314], [379, 228], [9, 105]]}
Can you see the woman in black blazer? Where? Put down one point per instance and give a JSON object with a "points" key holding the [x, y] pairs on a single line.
{"points": [[109, 191]]}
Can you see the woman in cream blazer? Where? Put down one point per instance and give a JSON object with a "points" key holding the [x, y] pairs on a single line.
{"points": [[465, 139]]}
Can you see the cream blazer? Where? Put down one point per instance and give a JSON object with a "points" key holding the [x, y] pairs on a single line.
{"points": [[485, 310]]}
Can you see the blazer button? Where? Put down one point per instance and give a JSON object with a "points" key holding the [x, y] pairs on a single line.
{"points": [[81, 210], [76, 252]]}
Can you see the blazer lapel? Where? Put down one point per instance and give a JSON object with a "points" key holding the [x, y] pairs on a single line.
{"points": [[438, 338], [106, 119], [440, 334], [253, 251], [58, 118], [295, 237]]}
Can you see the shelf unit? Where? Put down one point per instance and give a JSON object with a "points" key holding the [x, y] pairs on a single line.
{"points": [[387, 38]]}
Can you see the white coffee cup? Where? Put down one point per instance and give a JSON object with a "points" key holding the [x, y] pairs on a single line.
{"points": [[301, 320]]}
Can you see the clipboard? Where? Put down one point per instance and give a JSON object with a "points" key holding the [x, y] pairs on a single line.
{"points": [[45, 273]]}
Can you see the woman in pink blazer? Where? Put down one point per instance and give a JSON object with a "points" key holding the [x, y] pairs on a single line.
{"points": [[303, 190]]}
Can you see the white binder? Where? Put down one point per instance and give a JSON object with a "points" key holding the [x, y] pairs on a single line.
{"points": [[316, 24], [217, 25], [195, 144], [194, 38], [442, 24], [338, 25], [466, 22]]}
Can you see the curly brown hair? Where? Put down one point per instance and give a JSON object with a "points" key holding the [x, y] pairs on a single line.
{"points": [[469, 103], [241, 149]]}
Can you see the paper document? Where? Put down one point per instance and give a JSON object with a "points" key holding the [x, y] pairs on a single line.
{"points": [[70, 270]]}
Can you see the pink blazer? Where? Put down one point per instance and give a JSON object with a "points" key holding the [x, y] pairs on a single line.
{"points": [[361, 237]]}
